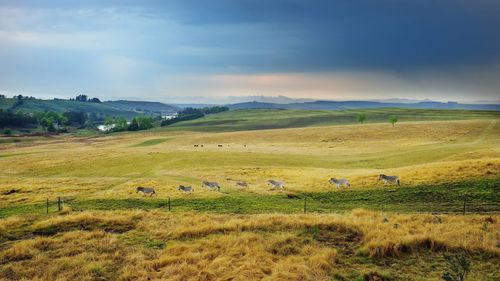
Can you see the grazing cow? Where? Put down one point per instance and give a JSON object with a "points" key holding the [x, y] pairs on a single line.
{"points": [[387, 179], [185, 188], [339, 182], [211, 185], [220, 145], [146, 190], [276, 184], [242, 184], [201, 145]]}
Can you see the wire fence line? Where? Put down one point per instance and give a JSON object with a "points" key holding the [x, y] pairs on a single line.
{"points": [[295, 205]]}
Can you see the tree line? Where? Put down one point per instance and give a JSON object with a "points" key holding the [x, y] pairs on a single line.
{"points": [[54, 122], [137, 124], [190, 113], [18, 97], [82, 98], [49, 121], [85, 98]]}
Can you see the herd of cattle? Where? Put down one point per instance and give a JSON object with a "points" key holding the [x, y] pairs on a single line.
{"points": [[273, 183]]}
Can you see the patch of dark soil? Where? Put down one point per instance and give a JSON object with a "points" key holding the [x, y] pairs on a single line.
{"points": [[375, 276], [345, 240], [288, 246], [115, 228], [10, 191]]}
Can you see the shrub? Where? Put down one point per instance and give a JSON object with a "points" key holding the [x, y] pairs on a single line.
{"points": [[134, 126], [62, 130], [361, 118], [51, 128], [393, 119], [458, 267]]}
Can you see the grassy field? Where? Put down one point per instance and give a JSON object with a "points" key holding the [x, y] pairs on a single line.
{"points": [[254, 233], [259, 119]]}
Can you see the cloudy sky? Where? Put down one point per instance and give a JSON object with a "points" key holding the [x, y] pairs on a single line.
{"points": [[207, 50]]}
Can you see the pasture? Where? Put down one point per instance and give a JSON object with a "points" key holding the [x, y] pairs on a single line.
{"points": [[256, 232]]}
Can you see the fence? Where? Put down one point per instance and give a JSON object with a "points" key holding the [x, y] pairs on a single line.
{"points": [[295, 204], [59, 202]]}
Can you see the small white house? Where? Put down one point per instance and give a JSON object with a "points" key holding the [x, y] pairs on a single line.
{"points": [[105, 128], [167, 117]]}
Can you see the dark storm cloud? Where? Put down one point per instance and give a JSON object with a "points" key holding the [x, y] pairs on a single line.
{"points": [[317, 35], [412, 47]]}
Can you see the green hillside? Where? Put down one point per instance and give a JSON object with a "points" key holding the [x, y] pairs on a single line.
{"points": [[259, 119], [146, 106], [60, 106]]}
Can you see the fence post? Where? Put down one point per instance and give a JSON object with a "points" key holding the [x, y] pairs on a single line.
{"points": [[59, 203], [305, 205], [465, 200], [169, 204], [47, 205]]}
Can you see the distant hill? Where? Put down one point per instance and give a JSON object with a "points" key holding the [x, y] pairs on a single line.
{"points": [[195, 105], [268, 99], [143, 106], [339, 105], [127, 109], [258, 105]]}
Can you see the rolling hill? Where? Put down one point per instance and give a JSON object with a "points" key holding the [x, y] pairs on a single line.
{"points": [[127, 109], [143, 106], [337, 105], [261, 119]]}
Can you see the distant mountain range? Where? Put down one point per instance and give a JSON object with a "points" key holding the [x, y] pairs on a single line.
{"points": [[129, 109], [339, 105], [267, 99], [143, 106]]}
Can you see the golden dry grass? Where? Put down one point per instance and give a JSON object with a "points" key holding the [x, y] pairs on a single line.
{"points": [[111, 166], [197, 246], [137, 245]]}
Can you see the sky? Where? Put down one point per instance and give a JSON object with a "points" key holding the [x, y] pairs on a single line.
{"points": [[205, 51]]}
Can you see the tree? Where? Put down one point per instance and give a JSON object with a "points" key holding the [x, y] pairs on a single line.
{"points": [[109, 121], [134, 126], [361, 118], [95, 100], [19, 119], [75, 117], [214, 109], [88, 124], [393, 119], [45, 122], [17, 103], [121, 124], [81, 98], [48, 120], [145, 122], [51, 128], [64, 120]]}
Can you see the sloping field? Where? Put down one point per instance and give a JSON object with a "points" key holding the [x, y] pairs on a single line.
{"points": [[260, 119], [421, 153], [109, 232]]}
